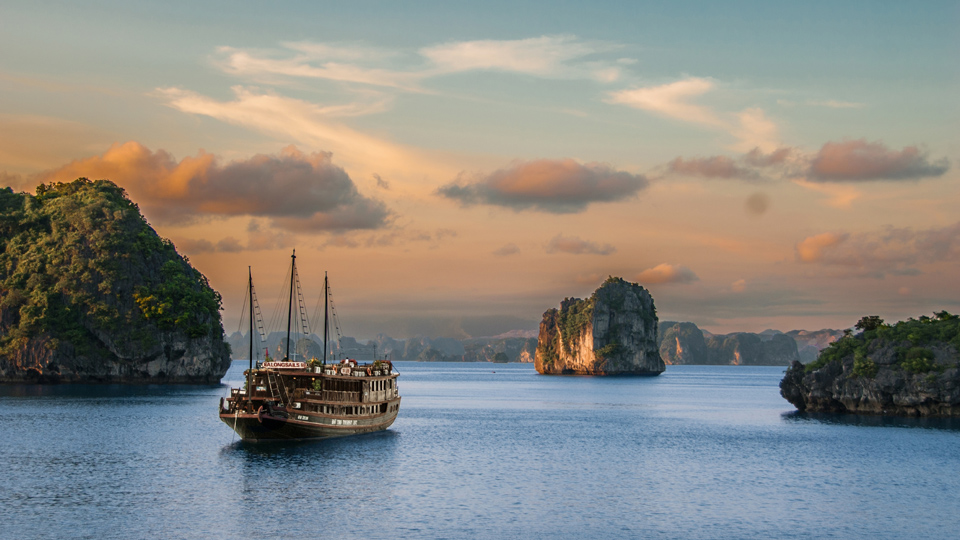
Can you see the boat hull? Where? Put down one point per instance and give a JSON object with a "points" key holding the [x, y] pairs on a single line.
{"points": [[294, 425]]}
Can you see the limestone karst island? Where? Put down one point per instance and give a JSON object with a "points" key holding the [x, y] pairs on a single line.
{"points": [[90, 293], [911, 368], [614, 332]]}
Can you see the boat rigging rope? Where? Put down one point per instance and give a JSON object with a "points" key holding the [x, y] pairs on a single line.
{"points": [[258, 320], [243, 309]]}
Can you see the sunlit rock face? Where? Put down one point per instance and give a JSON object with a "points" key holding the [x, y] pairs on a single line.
{"points": [[614, 332]]}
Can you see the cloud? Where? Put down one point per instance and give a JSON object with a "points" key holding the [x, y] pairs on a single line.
{"points": [[753, 165], [710, 167], [670, 100], [810, 249], [289, 118], [891, 250], [738, 286], [757, 158], [557, 186], [840, 196], [751, 126], [861, 160], [755, 130], [575, 246], [667, 273], [545, 56], [381, 183], [316, 61], [297, 191], [507, 250]]}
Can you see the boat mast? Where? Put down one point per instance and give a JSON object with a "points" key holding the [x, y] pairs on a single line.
{"points": [[250, 371], [293, 270], [326, 296]]}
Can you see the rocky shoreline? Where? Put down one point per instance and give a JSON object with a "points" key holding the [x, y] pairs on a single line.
{"points": [[879, 372]]}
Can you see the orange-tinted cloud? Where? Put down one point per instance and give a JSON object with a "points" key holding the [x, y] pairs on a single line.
{"points": [[667, 273], [302, 192], [891, 250], [557, 186], [862, 160], [574, 245], [810, 249]]}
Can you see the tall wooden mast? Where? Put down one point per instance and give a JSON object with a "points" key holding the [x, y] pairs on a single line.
{"points": [[250, 371], [326, 296], [293, 271]]}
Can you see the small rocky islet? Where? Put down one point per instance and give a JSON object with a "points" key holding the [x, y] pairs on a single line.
{"points": [[911, 368], [90, 293], [614, 332]]}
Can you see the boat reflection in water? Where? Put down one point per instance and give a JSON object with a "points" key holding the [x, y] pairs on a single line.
{"points": [[296, 400]]}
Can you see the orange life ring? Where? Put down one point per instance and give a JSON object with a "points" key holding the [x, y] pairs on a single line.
{"points": [[260, 414], [369, 372]]}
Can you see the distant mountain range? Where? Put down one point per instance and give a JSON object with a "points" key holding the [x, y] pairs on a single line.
{"points": [[679, 342], [514, 346], [685, 343]]}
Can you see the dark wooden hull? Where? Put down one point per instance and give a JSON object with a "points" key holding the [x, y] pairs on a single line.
{"points": [[294, 425]]}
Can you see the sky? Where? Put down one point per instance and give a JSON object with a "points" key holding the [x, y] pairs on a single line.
{"points": [[458, 168]]}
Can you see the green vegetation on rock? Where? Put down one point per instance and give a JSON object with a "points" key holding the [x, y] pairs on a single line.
{"points": [[80, 266], [573, 318], [913, 339]]}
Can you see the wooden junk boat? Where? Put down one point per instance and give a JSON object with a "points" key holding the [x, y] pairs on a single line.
{"points": [[294, 400]]}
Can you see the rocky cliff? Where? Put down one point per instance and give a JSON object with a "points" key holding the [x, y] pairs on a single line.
{"points": [[908, 369], [685, 343], [614, 332], [90, 293]]}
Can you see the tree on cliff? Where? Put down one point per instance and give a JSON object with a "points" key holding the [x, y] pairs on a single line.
{"points": [[84, 275]]}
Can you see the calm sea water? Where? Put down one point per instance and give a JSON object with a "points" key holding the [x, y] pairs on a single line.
{"points": [[480, 451]]}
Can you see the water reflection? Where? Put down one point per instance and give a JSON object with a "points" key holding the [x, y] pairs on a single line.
{"points": [[381, 442], [104, 390], [865, 420]]}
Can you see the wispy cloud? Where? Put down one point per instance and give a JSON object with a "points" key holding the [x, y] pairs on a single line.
{"points": [[667, 273], [576, 246], [247, 63], [295, 119], [671, 100], [751, 127], [562, 56], [556, 186], [544, 56], [297, 191]]}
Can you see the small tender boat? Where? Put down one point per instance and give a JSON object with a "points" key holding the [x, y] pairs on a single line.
{"points": [[291, 400]]}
